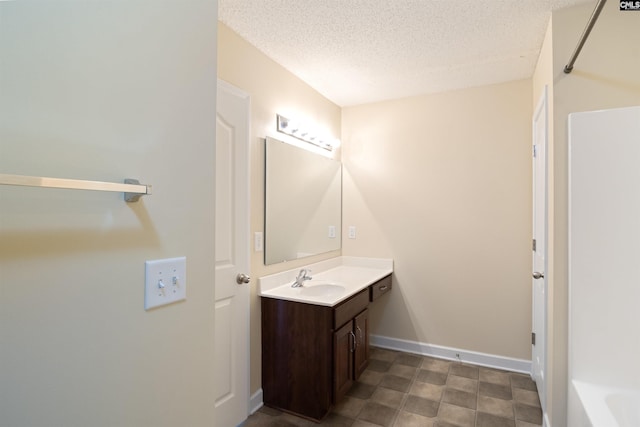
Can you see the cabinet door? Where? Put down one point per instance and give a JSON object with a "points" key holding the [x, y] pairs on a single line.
{"points": [[343, 348], [361, 331]]}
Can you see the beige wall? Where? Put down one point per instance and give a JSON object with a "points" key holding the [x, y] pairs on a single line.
{"points": [[605, 75], [105, 91], [273, 90], [442, 183]]}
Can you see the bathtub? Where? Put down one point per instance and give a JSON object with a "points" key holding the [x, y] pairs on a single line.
{"points": [[609, 406]]}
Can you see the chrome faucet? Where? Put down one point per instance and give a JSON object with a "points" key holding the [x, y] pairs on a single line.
{"points": [[302, 276]]}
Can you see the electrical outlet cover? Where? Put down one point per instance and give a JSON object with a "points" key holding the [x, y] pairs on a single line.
{"points": [[165, 281]]}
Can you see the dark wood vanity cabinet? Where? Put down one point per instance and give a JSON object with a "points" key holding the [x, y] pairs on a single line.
{"points": [[297, 365], [361, 351], [343, 360], [350, 353], [312, 354], [350, 342], [380, 288]]}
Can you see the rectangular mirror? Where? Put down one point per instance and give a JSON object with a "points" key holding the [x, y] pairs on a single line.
{"points": [[303, 203]]}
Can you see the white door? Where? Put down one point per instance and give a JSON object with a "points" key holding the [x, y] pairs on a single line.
{"points": [[539, 293], [232, 257]]}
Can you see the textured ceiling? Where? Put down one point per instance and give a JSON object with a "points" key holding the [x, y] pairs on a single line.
{"points": [[361, 51]]}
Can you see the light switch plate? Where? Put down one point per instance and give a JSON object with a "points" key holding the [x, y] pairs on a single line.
{"points": [[332, 231], [352, 231], [165, 281], [257, 241]]}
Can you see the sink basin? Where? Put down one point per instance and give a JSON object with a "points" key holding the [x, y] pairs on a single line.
{"points": [[327, 290]]}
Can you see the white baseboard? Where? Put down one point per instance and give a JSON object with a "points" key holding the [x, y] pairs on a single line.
{"points": [[255, 401], [450, 353], [545, 420]]}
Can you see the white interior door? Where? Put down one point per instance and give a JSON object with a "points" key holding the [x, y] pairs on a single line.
{"points": [[232, 257], [539, 292]]}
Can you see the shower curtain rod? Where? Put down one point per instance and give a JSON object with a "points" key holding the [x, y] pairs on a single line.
{"points": [[594, 16]]}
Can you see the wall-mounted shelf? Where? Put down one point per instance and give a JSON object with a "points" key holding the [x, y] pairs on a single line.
{"points": [[131, 188]]}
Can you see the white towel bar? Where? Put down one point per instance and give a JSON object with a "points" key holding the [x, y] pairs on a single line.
{"points": [[131, 188]]}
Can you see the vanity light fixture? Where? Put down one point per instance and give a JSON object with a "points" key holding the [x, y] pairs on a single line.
{"points": [[302, 132]]}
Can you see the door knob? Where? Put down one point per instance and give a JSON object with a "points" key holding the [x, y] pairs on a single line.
{"points": [[538, 275], [242, 279]]}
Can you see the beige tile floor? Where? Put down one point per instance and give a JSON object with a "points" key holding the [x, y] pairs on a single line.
{"points": [[405, 390]]}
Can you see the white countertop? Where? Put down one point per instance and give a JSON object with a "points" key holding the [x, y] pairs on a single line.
{"points": [[346, 276]]}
